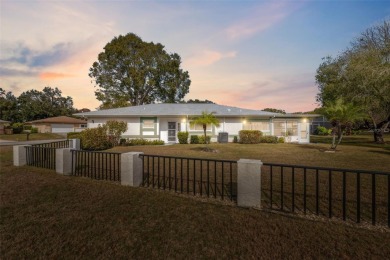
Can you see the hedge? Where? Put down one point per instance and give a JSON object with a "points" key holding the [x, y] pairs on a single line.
{"points": [[250, 136]]}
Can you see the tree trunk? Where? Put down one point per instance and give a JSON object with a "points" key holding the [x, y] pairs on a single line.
{"points": [[378, 136], [204, 130], [333, 147]]}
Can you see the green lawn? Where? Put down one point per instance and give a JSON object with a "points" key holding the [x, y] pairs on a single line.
{"points": [[347, 156], [45, 215], [37, 136]]}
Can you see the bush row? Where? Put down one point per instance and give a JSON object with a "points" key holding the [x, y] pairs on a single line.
{"points": [[140, 141]]}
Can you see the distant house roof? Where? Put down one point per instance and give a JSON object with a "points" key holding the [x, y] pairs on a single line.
{"points": [[59, 120], [3, 121], [177, 110]]}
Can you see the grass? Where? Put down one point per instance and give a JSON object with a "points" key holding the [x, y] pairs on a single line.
{"points": [[33, 137], [347, 156], [45, 215], [366, 140]]}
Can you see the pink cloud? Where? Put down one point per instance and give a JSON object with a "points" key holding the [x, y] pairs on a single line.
{"points": [[261, 19], [208, 57], [53, 75]]}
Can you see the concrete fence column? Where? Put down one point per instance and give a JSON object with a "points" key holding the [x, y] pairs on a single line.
{"points": [[249, 183], [75, 144], [64, 161], [20, 156], [131, 169]]}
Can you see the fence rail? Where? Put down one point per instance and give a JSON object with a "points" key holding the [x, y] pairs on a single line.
{"points": [[96, 165], [203, 177], [43, 157], [58, 144], [353, 195]]}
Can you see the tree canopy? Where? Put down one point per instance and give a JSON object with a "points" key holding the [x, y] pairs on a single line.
{"points": [[132, 72], [361, 75], [274, 110], [34, 105]]}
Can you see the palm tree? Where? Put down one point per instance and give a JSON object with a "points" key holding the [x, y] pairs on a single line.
{"points": [[204, 120], [342, 116]]}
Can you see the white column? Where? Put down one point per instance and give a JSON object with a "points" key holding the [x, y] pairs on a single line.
{"points": [[64, 161], [249, 183], [75, 144], [19, 153], [131, 169]]}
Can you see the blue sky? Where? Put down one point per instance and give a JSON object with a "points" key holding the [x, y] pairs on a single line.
{"points": [[250, 54]]}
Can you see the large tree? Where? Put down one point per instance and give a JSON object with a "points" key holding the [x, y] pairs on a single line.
{"points": [[361, 75], [133, 72], [34, 104], [8, 106]]}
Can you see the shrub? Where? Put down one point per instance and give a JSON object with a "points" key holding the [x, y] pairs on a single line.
{"points": [[203, 141], [95, 139], [235, 139], [250, 136], [281, 140], [194, 139], [141, 141], [183, 137], [27, 127], [115, 130], [270, 139], [17, 128], [122, 141], [34, 130], [321, 130]]}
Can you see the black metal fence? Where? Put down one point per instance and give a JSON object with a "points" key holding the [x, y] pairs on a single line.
{"points": [[350, 195], [43, 157], [203, 177], [96, 165], [58, 144]]}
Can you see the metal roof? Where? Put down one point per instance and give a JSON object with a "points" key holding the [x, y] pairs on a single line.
{"points": [[192, 109], [177, 110]]}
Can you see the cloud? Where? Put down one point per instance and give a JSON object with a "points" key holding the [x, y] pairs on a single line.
{"points": [[5, 72], [261, 19], [208, 57], [53, 75]]}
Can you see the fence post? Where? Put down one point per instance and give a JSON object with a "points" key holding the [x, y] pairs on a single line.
{"points": [[249, 183], [20, 156], [75, 144], [64, 161], [131, 169]]}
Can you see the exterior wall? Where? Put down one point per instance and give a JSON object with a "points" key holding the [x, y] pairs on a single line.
{"points": [[133, 125]]}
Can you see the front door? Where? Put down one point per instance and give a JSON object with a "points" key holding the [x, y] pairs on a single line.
{"points": [[171, 131], [304, 133]]}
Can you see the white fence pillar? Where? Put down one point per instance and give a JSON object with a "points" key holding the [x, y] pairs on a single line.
{"points": [[131, 169], [20, 156], [64, 161], [75, 144], [249, 183]]}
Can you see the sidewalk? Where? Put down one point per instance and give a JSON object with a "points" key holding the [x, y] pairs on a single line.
{"points": [[11, 143]]}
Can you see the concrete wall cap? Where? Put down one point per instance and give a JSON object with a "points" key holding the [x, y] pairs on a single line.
{"points": [[251, 161]]}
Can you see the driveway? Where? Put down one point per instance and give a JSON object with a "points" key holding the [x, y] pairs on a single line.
{"points": [[11, 143]]}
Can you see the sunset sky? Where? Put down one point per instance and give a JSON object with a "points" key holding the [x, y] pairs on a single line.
{"points": [[249, 54]]}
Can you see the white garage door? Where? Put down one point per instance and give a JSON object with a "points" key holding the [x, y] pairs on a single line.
{"points": [[61, 128]]}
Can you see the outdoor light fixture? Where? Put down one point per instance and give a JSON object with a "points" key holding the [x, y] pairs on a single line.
{"points": [[183, 120], [244, 121], [304, 120]]}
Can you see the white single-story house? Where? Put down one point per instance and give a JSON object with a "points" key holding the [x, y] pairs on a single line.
{"points": [[59, 124], [164, 121]]}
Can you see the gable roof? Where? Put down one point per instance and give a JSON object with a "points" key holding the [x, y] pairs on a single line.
{"points": [[177, 110], [59, 120]]}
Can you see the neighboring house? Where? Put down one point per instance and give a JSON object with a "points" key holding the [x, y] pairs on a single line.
{"points": [[2, 126], [163, 121], [59, 124]]}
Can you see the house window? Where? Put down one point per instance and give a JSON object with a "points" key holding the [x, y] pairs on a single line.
{"points": [[199, 127], [286, 128], [147, 123], [262, 126], [83, 126]]}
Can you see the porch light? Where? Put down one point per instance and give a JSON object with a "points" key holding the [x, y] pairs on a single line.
{"points": [[244, 121], [304, 120], [183, 120]]}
